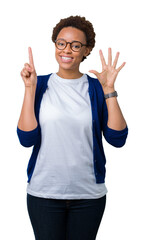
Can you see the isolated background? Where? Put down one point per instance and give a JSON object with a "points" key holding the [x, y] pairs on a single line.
{"points": [[119, 25]]}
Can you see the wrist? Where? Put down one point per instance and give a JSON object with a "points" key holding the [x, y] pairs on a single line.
{"points": [[108, 90], [30, 90], [110, 95]]}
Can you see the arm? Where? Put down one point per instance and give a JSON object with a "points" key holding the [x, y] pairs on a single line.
{"points": [[27, 120], [114, 125], [27, 128], [115, 131], [116, 119]]}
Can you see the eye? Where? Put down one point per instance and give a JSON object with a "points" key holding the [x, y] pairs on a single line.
{"points": [[76, 46], [60, 44]]}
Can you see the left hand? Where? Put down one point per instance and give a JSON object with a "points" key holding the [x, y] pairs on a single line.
{"points": [[109, 72]]}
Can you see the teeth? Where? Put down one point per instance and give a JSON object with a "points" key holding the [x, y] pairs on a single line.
{"points": [[66, 58]]}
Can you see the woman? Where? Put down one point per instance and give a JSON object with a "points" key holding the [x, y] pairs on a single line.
{"points": [[63, 117]]}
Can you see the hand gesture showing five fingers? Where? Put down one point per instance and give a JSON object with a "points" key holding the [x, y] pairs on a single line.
{"points": [[109, 71], [28, 73]]}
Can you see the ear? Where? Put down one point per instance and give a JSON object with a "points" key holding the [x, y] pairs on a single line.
{"points": [[87, 51]]}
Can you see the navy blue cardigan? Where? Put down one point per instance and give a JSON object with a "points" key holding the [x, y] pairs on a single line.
{"points": [[99, 126]]}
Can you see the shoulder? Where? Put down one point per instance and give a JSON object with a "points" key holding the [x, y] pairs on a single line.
{"points": [[43, 78], [42, 81], [40, 89]]}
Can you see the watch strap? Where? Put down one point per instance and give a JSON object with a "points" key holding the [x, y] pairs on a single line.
{"points": [[109, 95]]}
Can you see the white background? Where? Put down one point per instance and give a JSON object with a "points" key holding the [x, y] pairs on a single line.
{"points": [[119, 25]]}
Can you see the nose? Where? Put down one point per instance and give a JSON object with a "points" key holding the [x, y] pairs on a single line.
{"points": [[67, 48]]}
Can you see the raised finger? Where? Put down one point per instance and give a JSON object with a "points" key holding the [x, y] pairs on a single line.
{"points": [[116, 59], [109, 56], [102, 59], [31, 57], [118, 69]]}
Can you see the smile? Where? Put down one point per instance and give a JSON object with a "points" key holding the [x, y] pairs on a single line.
{"points": [[66, 59]]}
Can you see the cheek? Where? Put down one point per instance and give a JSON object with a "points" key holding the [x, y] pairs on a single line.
{"points": [[80, 56], [56, 55], [57, 52]]}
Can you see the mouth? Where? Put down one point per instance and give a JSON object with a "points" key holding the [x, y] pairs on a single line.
{"points": [[66, 59]]}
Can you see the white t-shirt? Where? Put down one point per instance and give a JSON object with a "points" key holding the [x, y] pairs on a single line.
{"points": [[64, 167]]}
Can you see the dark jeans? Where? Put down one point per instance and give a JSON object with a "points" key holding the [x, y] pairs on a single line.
{"points": [[62, 219]]}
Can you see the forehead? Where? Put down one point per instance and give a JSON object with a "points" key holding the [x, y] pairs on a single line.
{"points": [[72, 34]]}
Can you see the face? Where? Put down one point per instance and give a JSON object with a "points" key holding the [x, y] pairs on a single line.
{"points": [[67, 58]]}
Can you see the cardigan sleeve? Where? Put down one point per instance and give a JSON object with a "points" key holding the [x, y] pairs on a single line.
{"points": [[116, 138], [28, 138]]}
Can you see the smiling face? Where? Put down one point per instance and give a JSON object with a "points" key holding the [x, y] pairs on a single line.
{"points": [[67, 59]]}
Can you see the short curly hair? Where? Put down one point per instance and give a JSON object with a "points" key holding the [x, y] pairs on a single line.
{"points": [[80, 23]]}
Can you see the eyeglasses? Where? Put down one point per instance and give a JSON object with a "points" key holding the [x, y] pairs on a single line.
{"points": [[75, 45]]}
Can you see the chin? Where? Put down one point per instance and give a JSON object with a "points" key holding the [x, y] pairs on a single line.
{"points": [[66, 66]]}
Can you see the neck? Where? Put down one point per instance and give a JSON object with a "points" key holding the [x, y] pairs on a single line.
{"points": [[69, 74]]}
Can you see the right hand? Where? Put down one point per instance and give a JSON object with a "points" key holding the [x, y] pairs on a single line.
{"points": [[28, 73]]}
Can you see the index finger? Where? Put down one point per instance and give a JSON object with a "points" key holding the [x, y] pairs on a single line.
{"points": [[30, 57]]}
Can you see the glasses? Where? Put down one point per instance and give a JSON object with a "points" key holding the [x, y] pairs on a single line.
{"points": [[75, 45]]}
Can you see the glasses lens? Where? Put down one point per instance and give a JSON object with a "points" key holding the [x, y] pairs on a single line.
{"points": [[76, 46], [60, 44]]}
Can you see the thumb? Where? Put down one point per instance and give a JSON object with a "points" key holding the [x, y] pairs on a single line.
{"points": [[94, 72]]}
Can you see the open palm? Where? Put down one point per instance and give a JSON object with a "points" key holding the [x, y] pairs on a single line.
{"points": [[109, 72]]}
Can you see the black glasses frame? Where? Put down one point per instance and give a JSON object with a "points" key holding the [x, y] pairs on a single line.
{"points": [[69, 43]]}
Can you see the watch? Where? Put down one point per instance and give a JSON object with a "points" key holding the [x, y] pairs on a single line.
{"points": [[109, 95]]}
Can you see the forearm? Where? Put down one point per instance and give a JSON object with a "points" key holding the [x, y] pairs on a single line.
{"points": [[116, 119], [27, 120]]}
